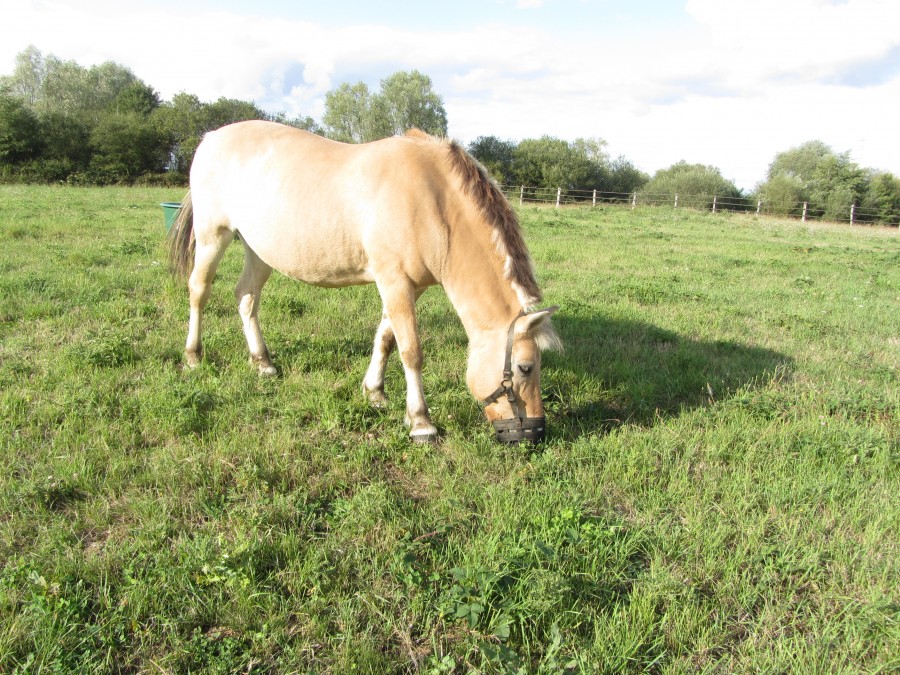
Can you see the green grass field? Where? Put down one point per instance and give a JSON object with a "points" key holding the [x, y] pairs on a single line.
{"points": [[718, 493]]}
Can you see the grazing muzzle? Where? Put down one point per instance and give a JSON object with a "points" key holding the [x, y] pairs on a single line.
{"points": [[519, 428]]}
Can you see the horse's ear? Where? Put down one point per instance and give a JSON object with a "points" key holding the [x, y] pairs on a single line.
{"points": [[532, 321], [538, 325]]}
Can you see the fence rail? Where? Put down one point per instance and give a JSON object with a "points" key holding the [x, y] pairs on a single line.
{"points": [[523, 194]]}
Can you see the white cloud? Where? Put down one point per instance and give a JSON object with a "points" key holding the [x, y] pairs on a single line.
{"points": [[739, 83], [800, 40]]}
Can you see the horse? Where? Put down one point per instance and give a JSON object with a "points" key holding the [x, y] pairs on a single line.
{"points": [[404, 213]]}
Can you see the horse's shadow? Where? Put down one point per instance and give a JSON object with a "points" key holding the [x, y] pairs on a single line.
{"points": [[616, 371]]}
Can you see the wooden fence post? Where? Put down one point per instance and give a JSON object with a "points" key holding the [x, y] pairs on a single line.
{"points": [[633, 200], [521, 195], [804, 212], [758, 205], [558, 196], [852, 212], [594, 203], [715, 198], [676, 200]]}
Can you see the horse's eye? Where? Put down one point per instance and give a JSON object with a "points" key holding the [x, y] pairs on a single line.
{"points": [[525, 368]]}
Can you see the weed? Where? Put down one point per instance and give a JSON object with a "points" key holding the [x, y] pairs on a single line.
{"points": [[717, 492]]}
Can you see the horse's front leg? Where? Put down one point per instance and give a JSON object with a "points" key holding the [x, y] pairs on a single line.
{"points": [[400, 309], [385, 341]]}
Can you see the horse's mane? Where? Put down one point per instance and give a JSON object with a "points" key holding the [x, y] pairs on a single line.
{"points": [[497, 212]]}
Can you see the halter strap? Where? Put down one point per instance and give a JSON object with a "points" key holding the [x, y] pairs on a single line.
{"points": [[506, 384]]}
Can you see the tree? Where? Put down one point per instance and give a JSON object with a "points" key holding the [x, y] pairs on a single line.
{"points": [[836, 184], [881, 202], [136, 97], [126, 146], [58, 118], [355, 115], [228, 111], [106, 83], [693, 183], [65, 137], [799, 162], [496, 156], [625, 177], [28, 76], [19, 130], [306, 123], [829, 182], [549, 162], [782, 193], [592, 149], [347, 115], [182, 125], [49, 84], [407, 100]]}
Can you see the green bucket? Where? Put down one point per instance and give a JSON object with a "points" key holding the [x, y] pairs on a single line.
{"points": [[170, 211]]}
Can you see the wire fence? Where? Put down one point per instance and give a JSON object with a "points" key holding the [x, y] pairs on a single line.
{"points": [[803, 211]]}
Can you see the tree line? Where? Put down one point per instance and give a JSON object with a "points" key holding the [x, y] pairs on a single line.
{"points": [[62, 122]]}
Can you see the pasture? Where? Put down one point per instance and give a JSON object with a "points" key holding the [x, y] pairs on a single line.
{"points": [[718, 491]]}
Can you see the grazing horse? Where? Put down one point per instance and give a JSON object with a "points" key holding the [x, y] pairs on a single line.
{"points": [[404, 213]]}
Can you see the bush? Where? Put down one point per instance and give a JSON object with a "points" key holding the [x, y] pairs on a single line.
{"points": [[164, 179]]}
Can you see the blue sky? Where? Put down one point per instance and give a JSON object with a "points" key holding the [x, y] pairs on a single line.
{"points": [[595, 16], [722, 82]]}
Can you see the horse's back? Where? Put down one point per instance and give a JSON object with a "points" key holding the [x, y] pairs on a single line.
{"points": [[320, 211]]}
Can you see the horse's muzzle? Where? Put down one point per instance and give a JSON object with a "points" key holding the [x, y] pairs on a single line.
{"points": [[516, 430]]}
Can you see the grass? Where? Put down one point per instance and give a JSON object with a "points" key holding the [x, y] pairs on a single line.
{"points": [[718, 491]]}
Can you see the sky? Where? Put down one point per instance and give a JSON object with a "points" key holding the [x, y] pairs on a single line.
{"points": [[728, 83]]}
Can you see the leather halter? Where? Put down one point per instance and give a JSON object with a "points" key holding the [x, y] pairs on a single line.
{"points": [[519, 427]]}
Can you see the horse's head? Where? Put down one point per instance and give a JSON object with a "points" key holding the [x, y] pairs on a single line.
{"points": [[504, 373]]}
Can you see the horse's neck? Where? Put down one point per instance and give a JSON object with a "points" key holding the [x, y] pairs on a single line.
{"points": [[476, 284]]}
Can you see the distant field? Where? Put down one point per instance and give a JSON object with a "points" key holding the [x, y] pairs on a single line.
{"points": [[719, 489]]}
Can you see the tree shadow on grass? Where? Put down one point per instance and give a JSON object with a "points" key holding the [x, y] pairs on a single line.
{"points": [[618, 371]]}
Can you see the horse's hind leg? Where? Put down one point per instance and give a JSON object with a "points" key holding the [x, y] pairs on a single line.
{"points": [[373, 384], [210, 249], [247, 293]]}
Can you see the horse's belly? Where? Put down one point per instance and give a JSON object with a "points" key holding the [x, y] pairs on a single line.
{"points": [[321, 264], [335, 279]]}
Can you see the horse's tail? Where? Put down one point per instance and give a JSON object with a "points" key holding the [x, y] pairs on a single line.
{"points": [[181, 240]]}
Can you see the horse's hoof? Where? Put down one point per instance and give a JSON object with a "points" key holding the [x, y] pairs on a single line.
{"points": [[191, 359], [376, 397], [263, 366], [424, 434]]}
